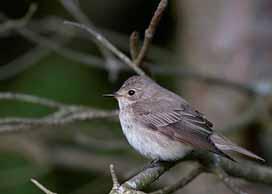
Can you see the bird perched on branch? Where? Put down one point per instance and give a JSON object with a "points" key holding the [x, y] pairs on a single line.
{"points": [[163, 126]]}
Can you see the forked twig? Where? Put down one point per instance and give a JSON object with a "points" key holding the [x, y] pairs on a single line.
{"points": [[10, 24], [73, 7], [197, 170], [107, 44], [150, 31]]}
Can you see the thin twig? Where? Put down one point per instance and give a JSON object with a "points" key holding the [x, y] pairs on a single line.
{"points": [[97, 62], [31, 99], [74, 9], [134, 45], [41, 187], [222, 175], [67, 116], [115, 181], [197, 170], [150, 31], [107, 44], [59, 49], [10, 24], [54, 44], [56, 47]]}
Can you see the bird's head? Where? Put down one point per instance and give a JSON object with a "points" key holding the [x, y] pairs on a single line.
{"points": [[134, 89]]}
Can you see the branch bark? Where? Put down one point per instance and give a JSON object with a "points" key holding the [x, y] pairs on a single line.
{"points": [[65, 114], [210, 163], [107, 44], [41, 187], [197, 170], [150, 31]]}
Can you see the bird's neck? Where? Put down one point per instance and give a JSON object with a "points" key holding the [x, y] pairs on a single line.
{"points": [[124, 104]]}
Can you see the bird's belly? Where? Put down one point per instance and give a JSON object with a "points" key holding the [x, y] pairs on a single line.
{"points": [[152, 144]]}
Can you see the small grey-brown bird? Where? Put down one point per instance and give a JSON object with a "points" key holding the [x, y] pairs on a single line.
{"points": [[163, 126]]}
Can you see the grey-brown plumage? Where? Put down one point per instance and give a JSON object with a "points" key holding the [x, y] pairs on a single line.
{"points": [[161, 125]]}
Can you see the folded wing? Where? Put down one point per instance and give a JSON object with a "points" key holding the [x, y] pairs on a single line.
{"points": [[182, 123]]}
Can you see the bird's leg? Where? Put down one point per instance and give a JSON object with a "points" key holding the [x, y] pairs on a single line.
{"points": [[154, 163]]}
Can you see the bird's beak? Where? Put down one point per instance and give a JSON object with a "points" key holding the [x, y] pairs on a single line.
{"points": [[114, 95], [108, 95]]}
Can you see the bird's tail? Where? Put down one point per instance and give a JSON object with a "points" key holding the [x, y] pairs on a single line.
{"points": [[224, 144]]}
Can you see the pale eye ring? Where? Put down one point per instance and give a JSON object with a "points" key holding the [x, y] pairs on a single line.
{"points": [[131, 92]]}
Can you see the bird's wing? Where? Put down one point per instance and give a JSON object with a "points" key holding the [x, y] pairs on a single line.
{"points": [[178, 121], [163, 113]]}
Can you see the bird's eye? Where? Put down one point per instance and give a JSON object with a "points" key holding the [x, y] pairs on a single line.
{"points": [[131, 92]]}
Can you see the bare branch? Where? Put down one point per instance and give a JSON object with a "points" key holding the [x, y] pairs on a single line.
{"points": [[227, 181], [243, 169], [41, 187], [10, 24], [107, 44], [74, 9], [115, 181], [248, 171], [56, 47], [68, 115], [133, 45], [148, 176], [149, 33], [95, 61], [65, 114], [59, 49], [31, 99], [197, 170]]}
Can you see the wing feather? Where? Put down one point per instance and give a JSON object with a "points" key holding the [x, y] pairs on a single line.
{"points": [[162, 114], [179, 122]]}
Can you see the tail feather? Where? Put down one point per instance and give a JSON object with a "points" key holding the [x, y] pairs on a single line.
{"points": [[224, 144]]}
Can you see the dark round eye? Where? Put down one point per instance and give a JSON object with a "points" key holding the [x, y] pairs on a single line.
{"points": [[131, 92]]}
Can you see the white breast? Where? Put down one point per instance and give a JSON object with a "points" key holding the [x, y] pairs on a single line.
{"points": [[150, 143]]}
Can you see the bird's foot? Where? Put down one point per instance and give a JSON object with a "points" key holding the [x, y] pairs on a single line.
{"points": [[154, 163]]}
